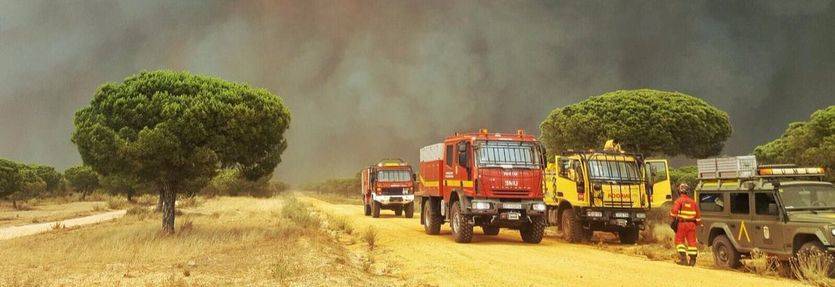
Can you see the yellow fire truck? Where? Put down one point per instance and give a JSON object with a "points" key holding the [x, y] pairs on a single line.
{"points": [[609, 190]]}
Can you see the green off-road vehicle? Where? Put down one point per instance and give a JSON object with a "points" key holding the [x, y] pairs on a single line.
{"points": [[782, 210]]}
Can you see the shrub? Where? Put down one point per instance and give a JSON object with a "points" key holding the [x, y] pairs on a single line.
{"points": [[813, 268], [370, 237], [299, 213]]}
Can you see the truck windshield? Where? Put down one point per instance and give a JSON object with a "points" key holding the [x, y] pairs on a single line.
{"points": [[507, 154], [611, 170], [808, 196], [394, 175]]}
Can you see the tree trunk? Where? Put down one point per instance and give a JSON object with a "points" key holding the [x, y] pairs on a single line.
{"points": [[83, 195], [14, 204], [130, 195], [159, 202], [169, 197]]}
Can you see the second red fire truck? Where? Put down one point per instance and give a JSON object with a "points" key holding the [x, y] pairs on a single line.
{"points": [[491, 180], [388, 184]]}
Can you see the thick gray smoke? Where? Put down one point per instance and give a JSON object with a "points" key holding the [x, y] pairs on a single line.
{"points": [[373, 79]]}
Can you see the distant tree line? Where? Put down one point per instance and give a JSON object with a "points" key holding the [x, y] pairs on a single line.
{"points": [[20, 181]]}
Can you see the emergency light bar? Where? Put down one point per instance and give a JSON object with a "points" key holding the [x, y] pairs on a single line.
{"points": [[804, 171]]}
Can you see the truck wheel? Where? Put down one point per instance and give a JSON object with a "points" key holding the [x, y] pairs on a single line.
{"points": [[462, 229], [815, 247], [398, 211], [367, 209], [724, 253], [572, 229], [375, 209], [431, 221], [490, 230], [532, 233], [409, 211], [629, 235]]}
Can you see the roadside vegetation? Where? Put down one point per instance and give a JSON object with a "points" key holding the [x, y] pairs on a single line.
{"points": [[223, 241], [338, 190]]}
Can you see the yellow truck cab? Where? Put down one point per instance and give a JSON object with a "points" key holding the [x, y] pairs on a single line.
{"points": [[609, 190]]}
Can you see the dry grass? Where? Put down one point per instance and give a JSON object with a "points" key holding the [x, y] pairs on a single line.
{"points": [[335, 198], [812, 268], [225, 241], [760, 263], [370, 237]]}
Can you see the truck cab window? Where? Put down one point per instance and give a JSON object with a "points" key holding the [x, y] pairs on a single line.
{"points": [[740, 203], [711, 202], [761, 202]]}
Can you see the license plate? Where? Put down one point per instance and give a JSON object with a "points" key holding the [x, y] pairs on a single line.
{"points": [[513, 216], [396, 199], [621, 222], [512, 205], [621, 214]]}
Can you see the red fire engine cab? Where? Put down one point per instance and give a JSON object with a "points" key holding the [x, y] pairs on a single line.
{"points": [[491, 180]]}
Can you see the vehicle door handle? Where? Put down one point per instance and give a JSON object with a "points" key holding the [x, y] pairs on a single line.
{"points": [[733, 225], [758, 227]]}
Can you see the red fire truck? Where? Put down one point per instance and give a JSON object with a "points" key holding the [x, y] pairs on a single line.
{"points": [[491, 180], [388, 185]]}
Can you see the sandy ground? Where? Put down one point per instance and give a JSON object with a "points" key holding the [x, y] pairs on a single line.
{"points": [[504, 260], [47, 212], [23, 230]]}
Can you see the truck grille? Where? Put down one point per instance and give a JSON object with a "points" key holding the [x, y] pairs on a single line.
{"points": [[392, 191], [510, 192], [617, 203]]}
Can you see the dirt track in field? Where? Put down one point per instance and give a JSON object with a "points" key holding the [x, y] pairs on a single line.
{"points": [[504, 260]]}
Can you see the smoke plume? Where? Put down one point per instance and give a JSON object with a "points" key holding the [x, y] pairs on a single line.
{"points": [[372, 79]]}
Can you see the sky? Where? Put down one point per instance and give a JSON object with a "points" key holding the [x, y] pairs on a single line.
{"points": [[366, 80]]}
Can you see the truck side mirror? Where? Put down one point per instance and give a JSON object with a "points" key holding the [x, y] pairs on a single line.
{"points": [[373, 176], [414, 177], [772, 209]]}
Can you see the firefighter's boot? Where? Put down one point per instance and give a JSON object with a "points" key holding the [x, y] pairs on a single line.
{"points": [[692, 260], [682, 258]]}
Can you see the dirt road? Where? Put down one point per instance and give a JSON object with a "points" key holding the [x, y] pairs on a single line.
{"points": [[504, 260], [18, 231]]}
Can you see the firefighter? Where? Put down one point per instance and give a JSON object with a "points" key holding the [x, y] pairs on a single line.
{"points": [[688, 215]]}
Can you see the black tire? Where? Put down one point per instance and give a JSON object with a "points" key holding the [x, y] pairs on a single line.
{"points": [[462, 229], [724, 253], [431, 221], [532, 233], [813, 247], [367, 209], [375, 209], [409, 211], [490, 230], [398, 211], [629, 235], [572, 228]]}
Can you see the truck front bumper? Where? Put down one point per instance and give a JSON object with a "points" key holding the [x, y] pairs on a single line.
{"points": [[615, 217], [502, 208], [393, 199]]}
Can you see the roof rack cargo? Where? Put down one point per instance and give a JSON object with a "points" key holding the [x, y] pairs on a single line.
{"points": [[727, 167]]}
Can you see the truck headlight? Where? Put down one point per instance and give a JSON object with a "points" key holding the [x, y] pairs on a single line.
{"points": [[594, 213], [539, 206], [480, 205], [641, 215], [406, 190], [833, 232]]}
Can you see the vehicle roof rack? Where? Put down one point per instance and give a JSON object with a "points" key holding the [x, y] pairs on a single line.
{"points": [[727, 167]]}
